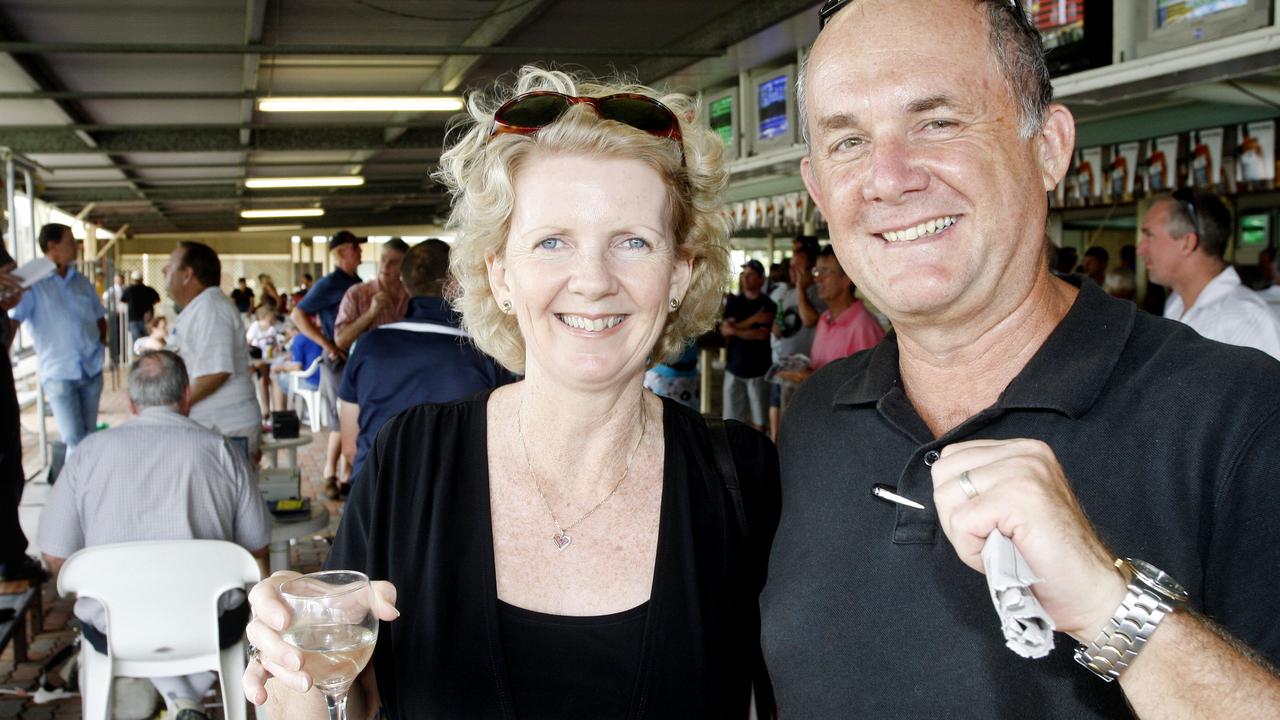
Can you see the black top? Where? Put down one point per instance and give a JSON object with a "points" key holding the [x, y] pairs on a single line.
{"points": [[141, 299], [419, 517], [243, 298], [1172, 446], [572, 667], [748, 358]]}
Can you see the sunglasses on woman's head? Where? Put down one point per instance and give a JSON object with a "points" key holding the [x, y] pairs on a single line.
{"points": [[528, 113]]}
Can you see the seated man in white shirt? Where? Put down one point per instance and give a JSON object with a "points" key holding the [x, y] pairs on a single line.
{"points": [[1183, 239], [210, 337], [159, 476]]}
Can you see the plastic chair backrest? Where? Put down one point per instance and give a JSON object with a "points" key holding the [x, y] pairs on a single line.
{"points": [[161, 597]]}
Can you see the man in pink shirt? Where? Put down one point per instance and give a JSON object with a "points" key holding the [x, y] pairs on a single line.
{"points": [[376, 302], [845, 328]]}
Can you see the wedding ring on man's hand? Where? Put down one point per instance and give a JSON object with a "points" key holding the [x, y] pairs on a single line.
{"points": [[966, 485], [253, 652]]}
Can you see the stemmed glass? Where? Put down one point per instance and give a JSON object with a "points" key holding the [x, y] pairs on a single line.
{"points": [[334, 627]]}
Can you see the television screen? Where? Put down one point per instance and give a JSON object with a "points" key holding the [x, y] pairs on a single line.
{"points": [[1172, 12], [773, 107], [1060, 22], [720, 113], [1255, 230]]}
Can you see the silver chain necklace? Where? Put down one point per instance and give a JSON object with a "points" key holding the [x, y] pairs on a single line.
{"points": [[562, 539]]}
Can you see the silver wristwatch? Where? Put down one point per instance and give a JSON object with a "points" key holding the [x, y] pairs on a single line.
{"points": [[1152, 595]]}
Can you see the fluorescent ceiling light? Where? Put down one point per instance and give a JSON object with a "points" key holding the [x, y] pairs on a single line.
{"points": [[262, 228], [360, 104], [304, 182], [282, 213]]}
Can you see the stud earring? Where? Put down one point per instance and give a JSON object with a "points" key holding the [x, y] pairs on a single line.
{"points": [[506, 307], [675, 304]]}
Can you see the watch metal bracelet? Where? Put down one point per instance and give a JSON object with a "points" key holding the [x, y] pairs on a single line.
{"points": [[1124, 635]]}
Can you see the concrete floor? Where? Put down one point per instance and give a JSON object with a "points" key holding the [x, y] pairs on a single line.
{"points": [[18, 680]]}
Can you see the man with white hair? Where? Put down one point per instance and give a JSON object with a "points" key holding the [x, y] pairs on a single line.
{"points": [[159, 476]]}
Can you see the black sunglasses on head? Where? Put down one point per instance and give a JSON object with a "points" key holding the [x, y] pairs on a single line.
{"points": [[1187, 198], [831, 7]]}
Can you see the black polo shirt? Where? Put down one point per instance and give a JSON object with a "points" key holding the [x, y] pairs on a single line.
{"points": [[1171, 442]]}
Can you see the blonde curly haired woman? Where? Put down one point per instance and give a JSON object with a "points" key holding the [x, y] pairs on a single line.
{"points": [[566, 546]]}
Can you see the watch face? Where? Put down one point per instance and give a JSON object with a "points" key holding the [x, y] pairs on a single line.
{"points": [[1158, 580]]}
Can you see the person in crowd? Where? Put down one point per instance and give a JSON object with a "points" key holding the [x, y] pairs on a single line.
{"points": [[798, 311], [157, 336], [302, 354], [242, 296], [844, 328], [1006, 401], [376, 301], [209, 335], [115, 309], [420, 359], [15, 563], [779, 276], [1183, 238], [677, 379], [265, 338], [1067, 258], [68, 326], [747, 323], [301, 290], [1120, 283], [1096, 259], [142, 300], [159, 476], [1268, 290], [572, 515], [323, 301], [268, 294]]}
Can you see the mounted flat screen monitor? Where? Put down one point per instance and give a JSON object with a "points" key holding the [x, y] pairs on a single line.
{"points": [[1171, 24], [1255, 230], [774, 110], [723, 117], [1076, 33]]}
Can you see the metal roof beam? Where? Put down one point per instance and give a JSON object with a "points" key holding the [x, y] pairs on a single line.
{"points": [[61, 140], [46, 48]]}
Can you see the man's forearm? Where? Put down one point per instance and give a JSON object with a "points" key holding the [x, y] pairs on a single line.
{"points": [[348, 426], [347, 334], [206, 385], [302, 321], [808, 313], [1188, 669]]}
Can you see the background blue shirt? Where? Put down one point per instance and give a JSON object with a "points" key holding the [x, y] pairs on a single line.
{"points": [[393, 370], [304, 351], [62, 315], [325, 296]]}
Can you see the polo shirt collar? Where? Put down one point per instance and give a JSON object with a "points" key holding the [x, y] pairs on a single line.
{"points": [[425, 308], [1222, 285], [1060, 376]]}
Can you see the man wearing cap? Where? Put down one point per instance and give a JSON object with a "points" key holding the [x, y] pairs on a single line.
{"points": [[748, 319], [323, 300], [141, 300], [1101, 442]]}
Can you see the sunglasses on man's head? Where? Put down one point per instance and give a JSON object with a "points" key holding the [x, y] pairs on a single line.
{"points": [[831, 7], [528, 113], [1187, 198]]}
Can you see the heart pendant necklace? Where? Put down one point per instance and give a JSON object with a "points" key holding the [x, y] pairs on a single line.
{"points": [[562, 538]]}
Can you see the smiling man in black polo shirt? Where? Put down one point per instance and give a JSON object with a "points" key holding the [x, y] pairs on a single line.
{"points": [[932, 144]]}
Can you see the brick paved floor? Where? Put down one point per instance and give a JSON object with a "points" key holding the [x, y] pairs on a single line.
{"points": [[306, 555]]}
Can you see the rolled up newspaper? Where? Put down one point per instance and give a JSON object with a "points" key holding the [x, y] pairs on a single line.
{"points": [[1028, 629]]}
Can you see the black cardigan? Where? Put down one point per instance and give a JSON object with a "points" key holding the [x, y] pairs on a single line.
{"points": [[419, 516]]}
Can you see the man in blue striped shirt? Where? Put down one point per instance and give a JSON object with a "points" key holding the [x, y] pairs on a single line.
{"points": [[69, 326]]}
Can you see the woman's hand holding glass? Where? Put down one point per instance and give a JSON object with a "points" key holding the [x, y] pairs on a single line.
{"points": [[273, 618]]}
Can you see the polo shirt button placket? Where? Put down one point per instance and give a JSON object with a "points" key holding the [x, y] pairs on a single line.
{"points": [[915, 527], [931, 457]]}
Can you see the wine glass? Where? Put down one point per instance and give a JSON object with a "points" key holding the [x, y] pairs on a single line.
{"points": [[334, 627]]}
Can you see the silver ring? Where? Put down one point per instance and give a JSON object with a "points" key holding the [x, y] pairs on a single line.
{"points": [[966, 485], [253, 652]]}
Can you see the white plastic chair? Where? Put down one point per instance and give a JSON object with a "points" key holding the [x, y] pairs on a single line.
{"points": [[316, 414], [161, 600]]}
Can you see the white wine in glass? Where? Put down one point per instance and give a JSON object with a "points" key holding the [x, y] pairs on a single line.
{"points": [[334, 627]]}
